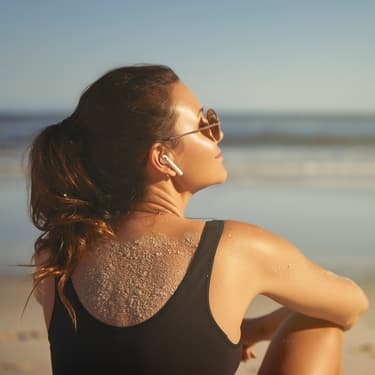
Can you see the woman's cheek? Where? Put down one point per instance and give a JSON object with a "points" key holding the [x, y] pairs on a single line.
{"points": [[201, 169]]}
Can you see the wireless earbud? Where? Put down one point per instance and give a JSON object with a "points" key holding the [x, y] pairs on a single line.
{"points": [[168, 161]]}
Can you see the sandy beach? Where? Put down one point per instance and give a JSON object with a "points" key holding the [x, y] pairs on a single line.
{"points": [[24, 345]]}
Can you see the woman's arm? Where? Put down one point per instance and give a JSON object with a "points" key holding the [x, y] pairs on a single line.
{"points": [[262, 328], [254, 330], [276, 268]]}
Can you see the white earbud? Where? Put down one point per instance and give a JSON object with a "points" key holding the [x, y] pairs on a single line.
{"points": [[168, 161]]}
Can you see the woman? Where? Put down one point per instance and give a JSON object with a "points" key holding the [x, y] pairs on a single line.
{"points": [[128, 284]]}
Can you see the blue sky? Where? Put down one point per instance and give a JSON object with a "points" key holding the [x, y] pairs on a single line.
{"points": [[248, 55]]}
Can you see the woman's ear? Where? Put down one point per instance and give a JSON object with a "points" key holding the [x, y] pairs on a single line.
{"points": [[156, 161]]}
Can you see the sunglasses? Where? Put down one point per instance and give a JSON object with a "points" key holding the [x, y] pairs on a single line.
{"points": [[211, 130]]}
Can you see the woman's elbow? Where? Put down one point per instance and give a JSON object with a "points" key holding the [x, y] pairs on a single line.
{"points": [[362, 307]]}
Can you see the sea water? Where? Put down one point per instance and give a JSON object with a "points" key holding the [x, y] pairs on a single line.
{"points": [[309, 178]]}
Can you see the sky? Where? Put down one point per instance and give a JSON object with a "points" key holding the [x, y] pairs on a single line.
{"points": [[269, 55]]}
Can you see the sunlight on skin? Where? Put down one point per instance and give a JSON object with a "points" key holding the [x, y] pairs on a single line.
{"points": [[188, 112], [332, 274]]}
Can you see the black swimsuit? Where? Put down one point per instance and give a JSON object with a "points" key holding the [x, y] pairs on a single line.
{"points": [[182, 338]]}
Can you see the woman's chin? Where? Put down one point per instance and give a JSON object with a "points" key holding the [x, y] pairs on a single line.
{"points": [[224, 176]]}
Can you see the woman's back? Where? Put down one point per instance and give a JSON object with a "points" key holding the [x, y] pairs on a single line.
{"points": [[206, 275], [165, 305]]}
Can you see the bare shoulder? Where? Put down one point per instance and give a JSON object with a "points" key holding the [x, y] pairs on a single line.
{"points": [[254, 248], [243, 228], [250, 236]]}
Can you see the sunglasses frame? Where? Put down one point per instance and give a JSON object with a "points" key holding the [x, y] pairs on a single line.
{"points": [[217, 123]]}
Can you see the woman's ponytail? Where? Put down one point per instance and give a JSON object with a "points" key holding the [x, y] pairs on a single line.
{"points": [[64, 203]]}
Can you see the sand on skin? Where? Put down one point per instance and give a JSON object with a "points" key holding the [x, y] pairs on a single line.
{"points": [[24, 347]]}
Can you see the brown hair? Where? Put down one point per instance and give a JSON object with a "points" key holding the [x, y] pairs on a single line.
{"points": [[90, 168]]}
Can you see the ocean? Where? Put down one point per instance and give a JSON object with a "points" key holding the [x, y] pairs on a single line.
{"points": [[307, 177]]}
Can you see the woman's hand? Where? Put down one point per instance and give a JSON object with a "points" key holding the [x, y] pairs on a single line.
{"points": [[247, 353], [251, 334], [254, 330], [250, 329]]}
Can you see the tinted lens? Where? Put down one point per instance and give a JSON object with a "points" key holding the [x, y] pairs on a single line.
{"points": [[211, 116], [215, 131], [213, 119]]}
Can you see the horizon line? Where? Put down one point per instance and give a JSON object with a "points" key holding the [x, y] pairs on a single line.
{"points": [[224, 111]]}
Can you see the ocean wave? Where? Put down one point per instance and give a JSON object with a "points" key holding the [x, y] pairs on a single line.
{"points": [[359, 175], [17, 130]]}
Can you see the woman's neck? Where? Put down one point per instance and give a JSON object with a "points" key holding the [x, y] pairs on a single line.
{"points": [[155, 210], [162, 200]]}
